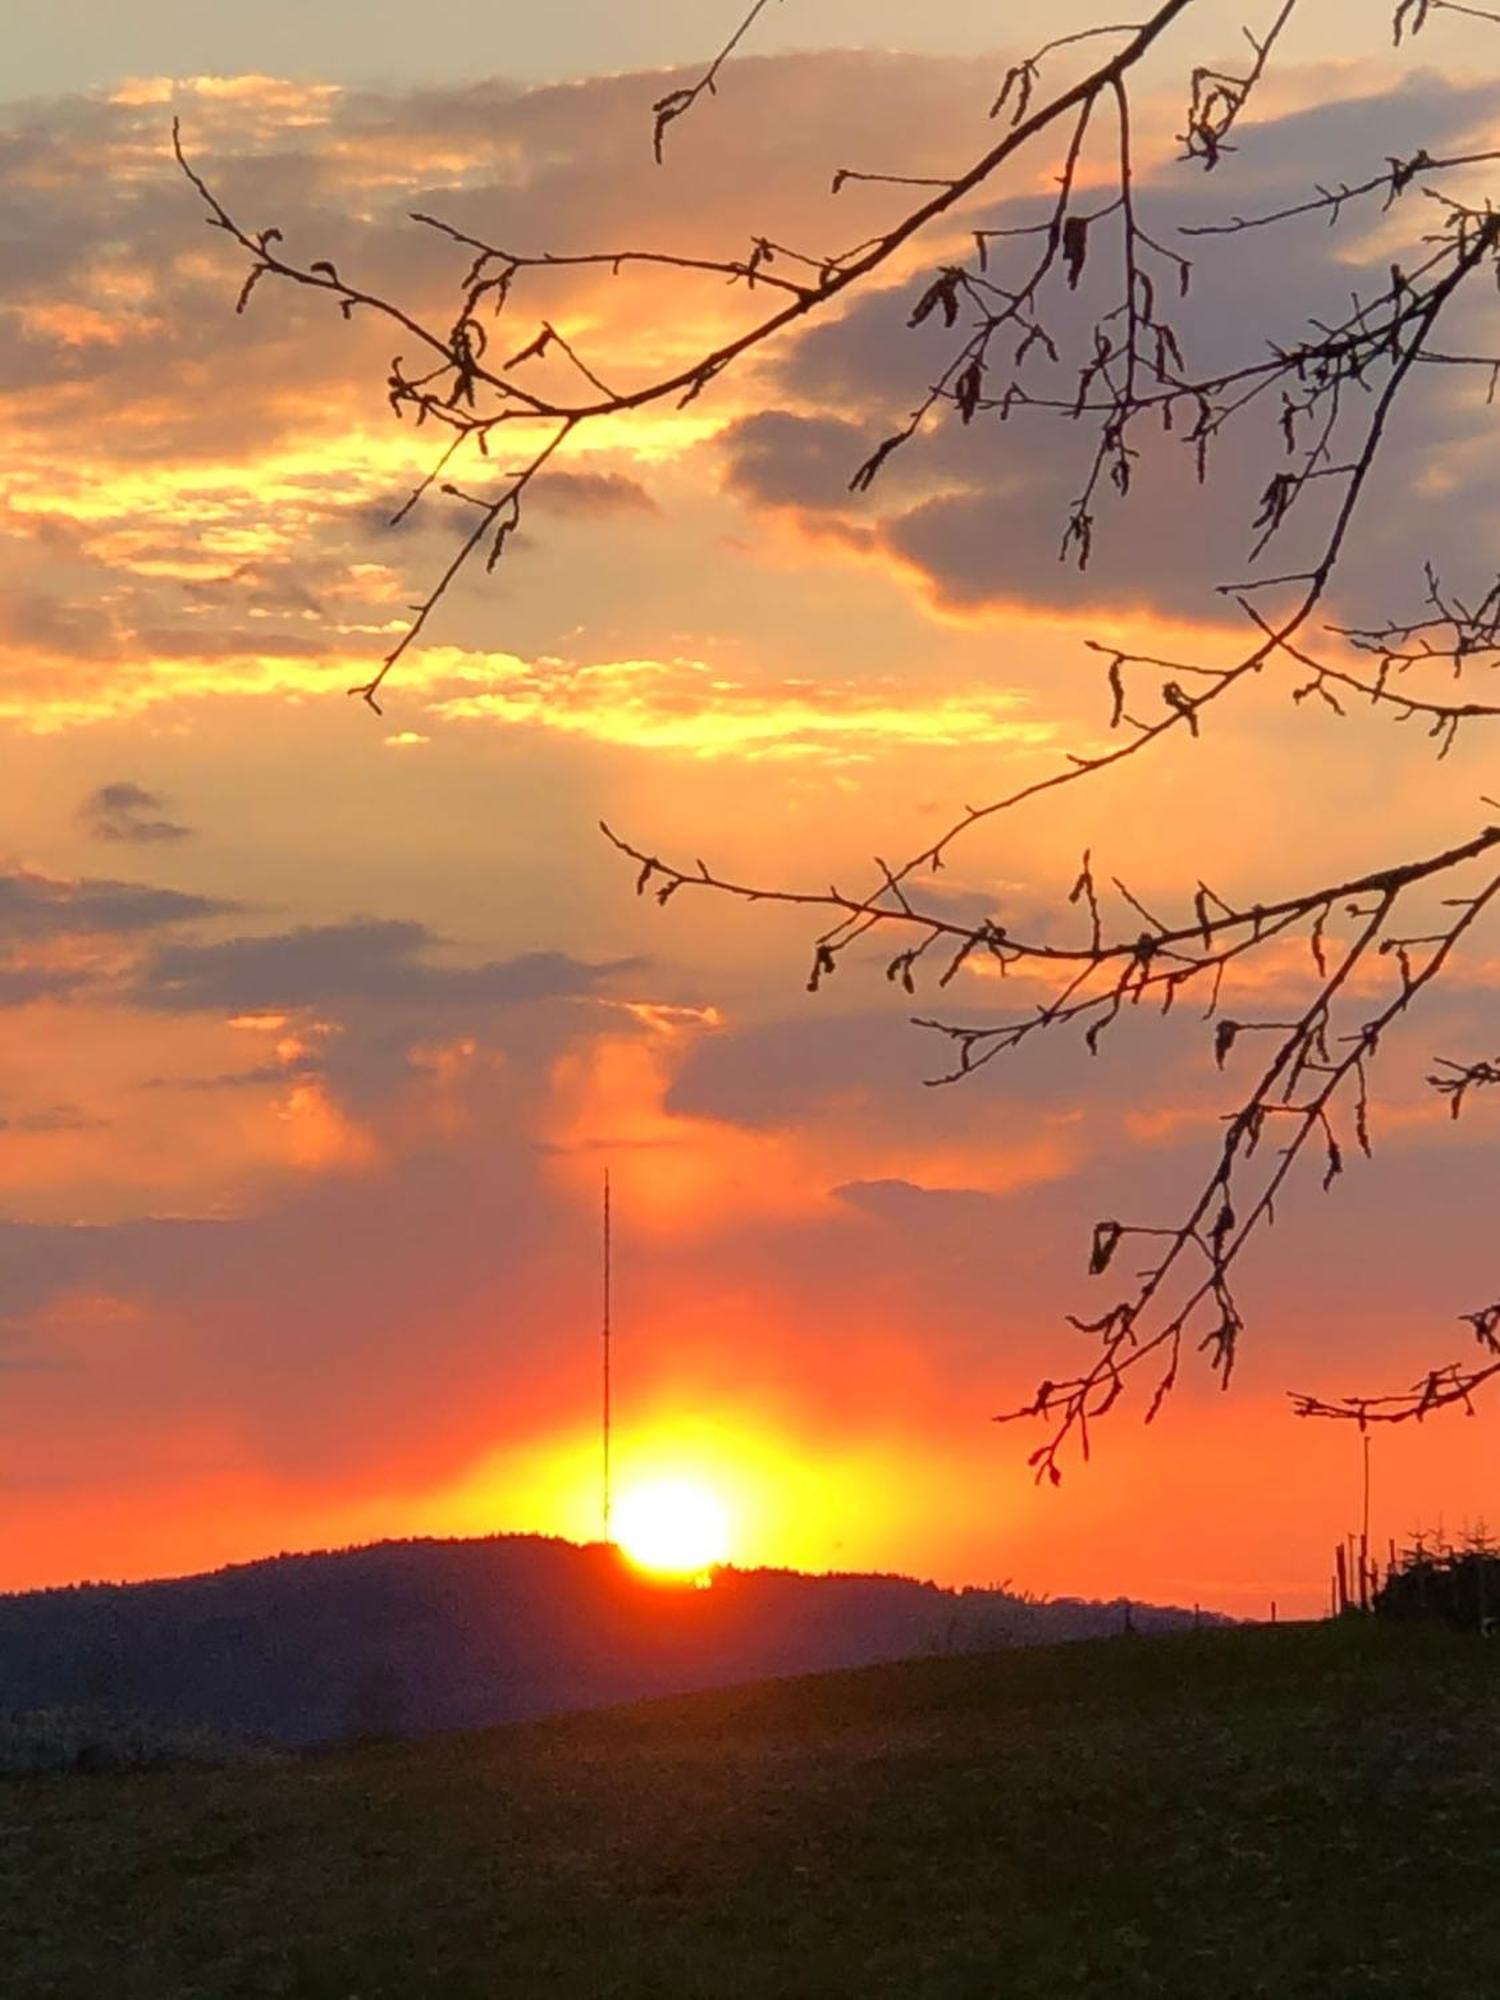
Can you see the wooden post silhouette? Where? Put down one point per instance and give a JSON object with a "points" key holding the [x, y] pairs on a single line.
{"points": [[1364, 1529]]}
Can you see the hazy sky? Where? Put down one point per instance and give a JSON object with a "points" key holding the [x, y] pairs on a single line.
{"points": [[60, 45], [321, 1028]]}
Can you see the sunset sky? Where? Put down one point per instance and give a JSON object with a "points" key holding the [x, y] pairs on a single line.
{"points": [[322, 1027]]}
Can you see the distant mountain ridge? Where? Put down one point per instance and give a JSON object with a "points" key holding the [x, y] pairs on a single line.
{"points": [[407, 1637]]}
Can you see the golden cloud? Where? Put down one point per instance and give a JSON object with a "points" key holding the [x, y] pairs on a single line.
{"points": [[688, 709]]}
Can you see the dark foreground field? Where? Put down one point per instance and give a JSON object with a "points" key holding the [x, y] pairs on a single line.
{"points": [[1300, 1810]]}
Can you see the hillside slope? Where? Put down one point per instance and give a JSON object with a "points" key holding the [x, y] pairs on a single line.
{"points": [[414, 1636], [1305, 1811]]}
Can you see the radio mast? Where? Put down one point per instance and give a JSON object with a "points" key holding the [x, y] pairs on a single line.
{"points": [[608, 1497]]}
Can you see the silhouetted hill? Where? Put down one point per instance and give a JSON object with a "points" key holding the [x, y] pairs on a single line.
{"points": [[406, 1637]]}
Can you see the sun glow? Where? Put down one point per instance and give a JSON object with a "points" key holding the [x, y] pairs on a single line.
{"points": [[677, 1527]]}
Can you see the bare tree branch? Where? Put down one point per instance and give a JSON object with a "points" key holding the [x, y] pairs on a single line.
{"points": [[1070, 314]]}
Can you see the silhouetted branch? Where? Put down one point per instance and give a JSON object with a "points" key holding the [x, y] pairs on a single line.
{"points": [[1069, 313], [1454, 1080], [1440, 1389], [450, 392], [1313, 1071], [1219, 97], [678, 102], [1411, 15]]}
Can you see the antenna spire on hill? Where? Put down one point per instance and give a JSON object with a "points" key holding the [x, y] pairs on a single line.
{"points": [[608, 1498]]}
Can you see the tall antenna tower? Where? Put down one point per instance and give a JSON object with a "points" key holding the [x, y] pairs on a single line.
{"points": [[608, 1496]]}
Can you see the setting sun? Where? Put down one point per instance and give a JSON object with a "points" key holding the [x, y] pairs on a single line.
{"points": [[676, 1526]]}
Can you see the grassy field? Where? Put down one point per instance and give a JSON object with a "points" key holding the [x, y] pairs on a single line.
{"points": [[1287, 1811]]}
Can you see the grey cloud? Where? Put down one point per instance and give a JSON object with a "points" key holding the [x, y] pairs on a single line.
{"points": [[259, 586], [37, 618], [978, 513], [781, 1071], [84, 182], [551, 168], [34, 907], [38, 909], [590, 494], [784, 1071], [273, 1074], [55, 1118], [125, 811], [380, 960], [908, 1204], [786, 460], [20, 985], [213, 642], [991, 531]]}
